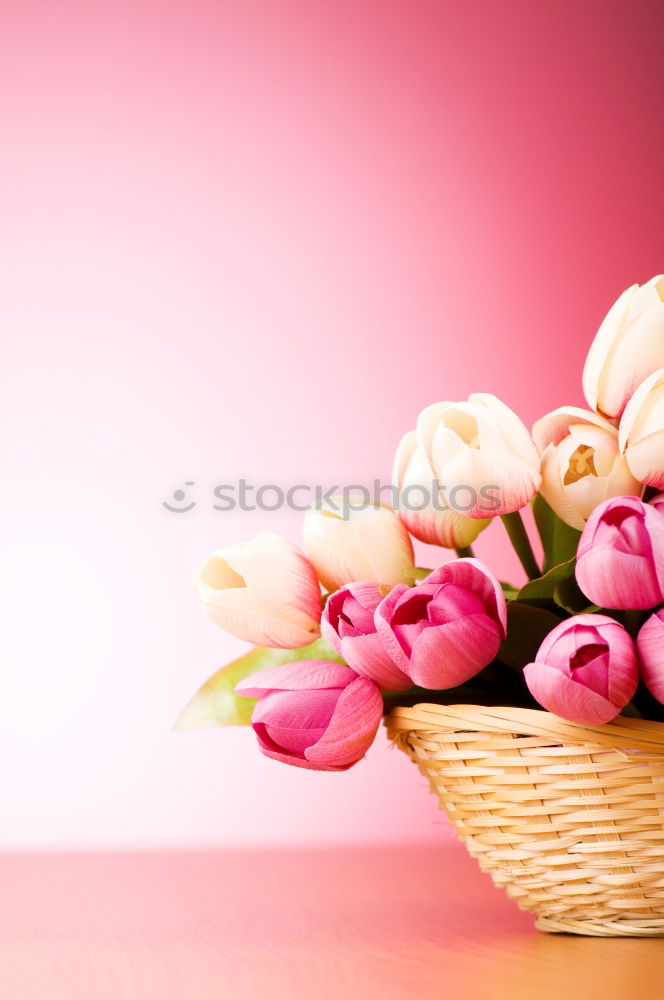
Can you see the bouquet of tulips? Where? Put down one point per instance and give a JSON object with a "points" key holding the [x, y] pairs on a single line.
{"points": [[350, 627]]}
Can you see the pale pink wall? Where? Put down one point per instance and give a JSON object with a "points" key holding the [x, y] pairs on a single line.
{"points": [[255, 238]]}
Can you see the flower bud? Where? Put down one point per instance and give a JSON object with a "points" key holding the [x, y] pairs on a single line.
{"points": [[347, 543], [581, 464], [629, 345], [348, 625], [482, 455], [447, 628], [423, 506], [650, 647], [620, 558], [642, 430], [585, 670], [314, 714], [264, 591]]}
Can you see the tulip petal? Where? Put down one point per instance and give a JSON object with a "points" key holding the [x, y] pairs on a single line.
{"points": [[554, 492], [642, 431], [382, 616], [263, 591], [367, 656], [433, 522], [650, 647], [352, 728], [270, 749], [522, 443], [448, 528], [635, 405], [237, 613], [474, 576], [636, 352], [620, 532], [601, 346], [427, 424], [480, 448], [646, 460], [620, 482], [554, 426], [657, 502], [330, 633], [404, 455], [589, 492], [565, 631], [294, 720], [566, 698], [349, 611], [494, 482], [297, 710], [385, 545], [624, 667], [283, 582], [617, 580], [445, 656], [369, 544], [300, 676]]}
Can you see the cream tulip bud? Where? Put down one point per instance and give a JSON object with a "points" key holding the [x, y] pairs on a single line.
{"points": [[629, 345], [581, 463], [346, 542], [482, 455], [264, 591], [423, 506], [642, 431]]}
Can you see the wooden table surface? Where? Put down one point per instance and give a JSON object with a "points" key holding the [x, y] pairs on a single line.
{"points": [[388, 923]]}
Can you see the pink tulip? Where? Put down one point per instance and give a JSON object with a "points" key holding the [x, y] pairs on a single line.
{"points": [[264, 591], [585, 670], [620, 559], [447, 628], [348, 625], [629, 345], [482, 455], [650, 647], [346, 543], [658, 502], [314, 714], [424, 507]]}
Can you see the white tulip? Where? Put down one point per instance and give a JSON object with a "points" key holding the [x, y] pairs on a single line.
{"points": [[423, 506], [349, 544], [482, 455], [642, 431], [264, 591], [581, 463], [629, 345]]}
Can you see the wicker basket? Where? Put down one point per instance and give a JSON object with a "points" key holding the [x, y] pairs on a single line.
{"points": [[568, 819]]}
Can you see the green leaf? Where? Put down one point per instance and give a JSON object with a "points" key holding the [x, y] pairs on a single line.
{"points": [[526, 628], [216, 704], [559, 541], [544, 587], [511, 592], [569, 596]]}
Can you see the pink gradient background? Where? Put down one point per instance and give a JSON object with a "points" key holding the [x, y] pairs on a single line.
{"points": [[255, 238]]}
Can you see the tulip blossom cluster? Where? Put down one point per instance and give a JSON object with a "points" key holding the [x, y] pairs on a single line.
{"points": [[348, 626]]}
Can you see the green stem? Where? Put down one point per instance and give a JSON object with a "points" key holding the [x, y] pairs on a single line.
{"points": [[518, 536], [466, 552]]}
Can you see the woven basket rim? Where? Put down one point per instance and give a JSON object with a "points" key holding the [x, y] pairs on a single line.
{"points": [[622, 733]]}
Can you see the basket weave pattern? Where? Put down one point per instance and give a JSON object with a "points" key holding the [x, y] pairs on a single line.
{"points": [[568, 819]]}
